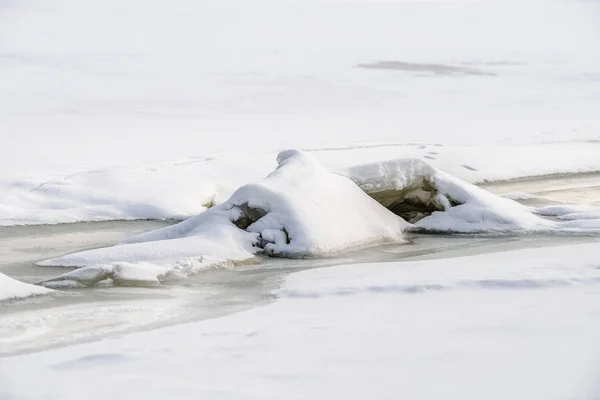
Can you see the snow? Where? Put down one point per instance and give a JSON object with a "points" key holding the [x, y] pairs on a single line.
{"points": [[520, 325], [181, 189], [104, 124], [13, 289], [459, 206], [523, 269], [303, 210], [321, 212], [127, 109], [300, 209]]}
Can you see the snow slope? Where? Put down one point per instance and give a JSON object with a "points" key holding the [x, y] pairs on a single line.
{"points": [[13, 289], [519, 325]]}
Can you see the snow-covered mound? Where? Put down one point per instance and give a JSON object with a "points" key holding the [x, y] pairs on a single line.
{"points": [[435, 201], [301, 209], [13, 289]]}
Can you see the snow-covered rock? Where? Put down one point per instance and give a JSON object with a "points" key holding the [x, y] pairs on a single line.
{"points": [[311, 211], [301, 209], [304, 210], [436, 201]]}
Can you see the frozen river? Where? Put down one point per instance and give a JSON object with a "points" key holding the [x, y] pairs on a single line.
{"points": [[86, 314]]}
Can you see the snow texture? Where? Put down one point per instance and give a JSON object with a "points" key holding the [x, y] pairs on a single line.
{"points": [[13, 289], [383, 330], [181, 189], [303, 210], [102, 124], [300, 209], [446, 203]]}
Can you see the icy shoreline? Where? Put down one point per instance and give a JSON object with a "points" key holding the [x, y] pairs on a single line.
{"points": [[417, 320], [303, 210]]}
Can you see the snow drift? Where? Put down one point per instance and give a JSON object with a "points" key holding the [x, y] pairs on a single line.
{"points": [[303, 210], [435, 201], [13, 289]]}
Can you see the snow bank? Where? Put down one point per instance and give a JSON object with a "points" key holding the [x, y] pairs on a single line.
{"points": [[13, 289], [184, 188], [434, 200], [301, 209]]}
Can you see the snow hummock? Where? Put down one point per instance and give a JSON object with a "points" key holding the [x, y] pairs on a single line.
{"points": [[13, 289], [436, 201], [303, 210], [300, 209], [311, 211]]}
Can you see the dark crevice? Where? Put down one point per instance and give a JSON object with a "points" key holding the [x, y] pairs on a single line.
{"points": [[287, 236], [249, 215], [414, 202]]}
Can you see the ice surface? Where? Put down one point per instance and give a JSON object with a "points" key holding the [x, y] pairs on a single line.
{"points": [[13, 289], [383, 331]]}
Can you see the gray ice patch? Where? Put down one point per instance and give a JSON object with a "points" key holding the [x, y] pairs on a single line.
{"points": [[434, 69]]}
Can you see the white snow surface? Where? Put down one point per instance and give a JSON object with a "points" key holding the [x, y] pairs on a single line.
{"points": [[181, 189], [515, 325], [194, 102], [302, 209], [321, 212], [306, 211], [478, 209], [13, 289], [123, 109]]}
